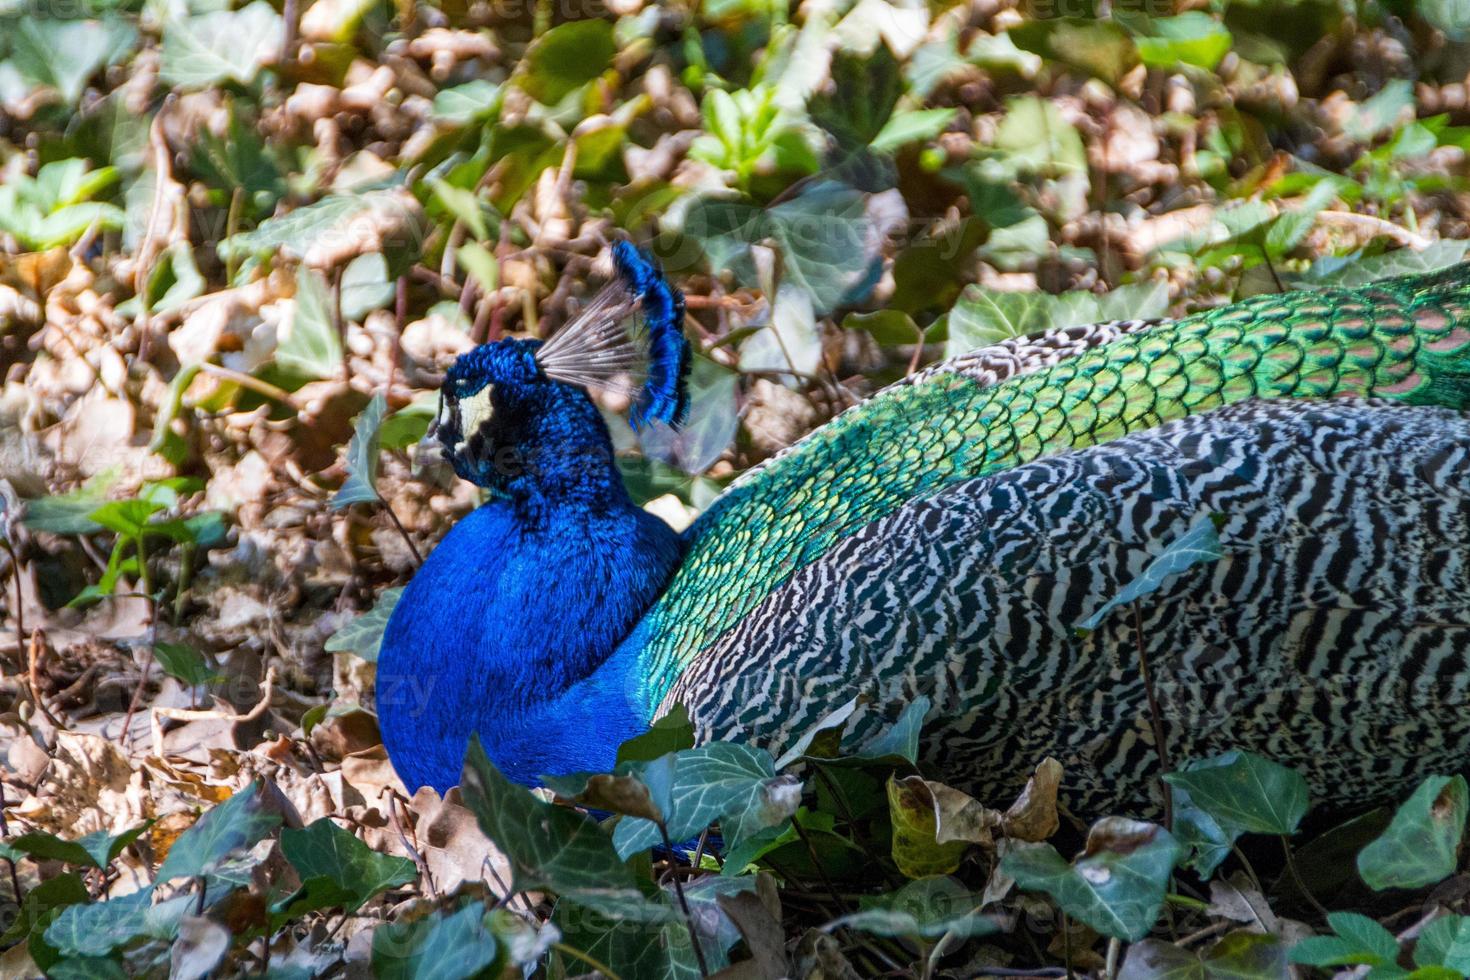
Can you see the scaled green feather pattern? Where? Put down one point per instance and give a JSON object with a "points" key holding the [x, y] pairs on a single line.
{"points": [[1406, 339]]}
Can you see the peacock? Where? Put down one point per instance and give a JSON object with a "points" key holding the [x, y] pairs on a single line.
{"points": [[965, 536]]}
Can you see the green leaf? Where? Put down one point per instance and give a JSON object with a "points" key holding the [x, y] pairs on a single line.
{"points": [[238, 823], [480, 262], [468, 103], [888, 327], [366, 286], [1445, 942], [547, 846], [567, 57], [672, 732], [1246, 792], [464, 205], [409, 424], [101, 927], [324, 850], [175, 279], [1421, 845], [1197, 545], [1358, 270], [338, 226], [440, 946], [1191, 38], [363, 635], [126, 517], [1117, 887], [858, 104], [902, 739], [823, 235], [735, 784], [1383, 111], [64, 54], [1358, 941], [923, 909], [185, 663], [1239, 955], [1450, 16], [912, 126], [69, 513], [362, 457], [986, 316], [313, 347], [1099, 47], [1207, 843], [208, 49], [96, 849]]}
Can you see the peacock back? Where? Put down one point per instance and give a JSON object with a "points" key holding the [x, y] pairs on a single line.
{"points": [[949, 536]]}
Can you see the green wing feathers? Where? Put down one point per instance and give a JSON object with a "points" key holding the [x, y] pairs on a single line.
{"points": [[1406, 339]]}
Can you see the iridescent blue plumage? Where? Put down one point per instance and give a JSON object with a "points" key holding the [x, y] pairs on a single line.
{"points": [[508, 627]]}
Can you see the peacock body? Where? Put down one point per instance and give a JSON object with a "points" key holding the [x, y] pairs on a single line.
{"points": [[950, 536]]}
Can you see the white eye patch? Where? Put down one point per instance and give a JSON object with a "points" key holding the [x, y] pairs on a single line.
{"points": [[475, 411]]}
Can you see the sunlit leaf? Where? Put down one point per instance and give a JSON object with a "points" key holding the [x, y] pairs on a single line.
{"points": [[324, 850], [363, 454], [207, 49], [1421, 845], [363, 635]]}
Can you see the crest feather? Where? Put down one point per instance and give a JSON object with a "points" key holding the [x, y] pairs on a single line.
{"points": [[629, 339]]}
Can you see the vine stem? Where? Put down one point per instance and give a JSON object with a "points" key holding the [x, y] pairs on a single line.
{"points": [[684, 904], [587, 958], [403, 532], [1156, 720]]}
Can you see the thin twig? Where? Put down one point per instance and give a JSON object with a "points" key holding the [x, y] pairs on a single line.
{"points": [[684, 904], [418, 559]]}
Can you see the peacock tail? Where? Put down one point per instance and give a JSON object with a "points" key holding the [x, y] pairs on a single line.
{"points": [[1406, 340]]}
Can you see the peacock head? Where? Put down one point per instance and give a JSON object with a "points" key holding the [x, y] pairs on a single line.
{"points": [[515, 407]]}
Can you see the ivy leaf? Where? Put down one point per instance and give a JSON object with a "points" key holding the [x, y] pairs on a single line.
{"points": [[97, 849], [860, 101], [735, 784], [1357, 270], [185, 664], [313, 347], [235, 825], [99, 928], [1358, 941], [464, 104], [70, 513], [1421, 845], [1099, 47], [220, 46], [1246, 792], [923, 909], [362, 457], [334, 229], [1207, 843], [567, 57], [986, 316], [1197, 545], [915, 848], [671, 733], [363, 635], [324, 850], [1239, 955], [1117, 886], [548, 846], [1191, 38], [65, 53], [442, 945], [1445, 942]]}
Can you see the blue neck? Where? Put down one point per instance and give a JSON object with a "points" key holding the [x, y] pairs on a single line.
{"points": [[509, 628]]}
